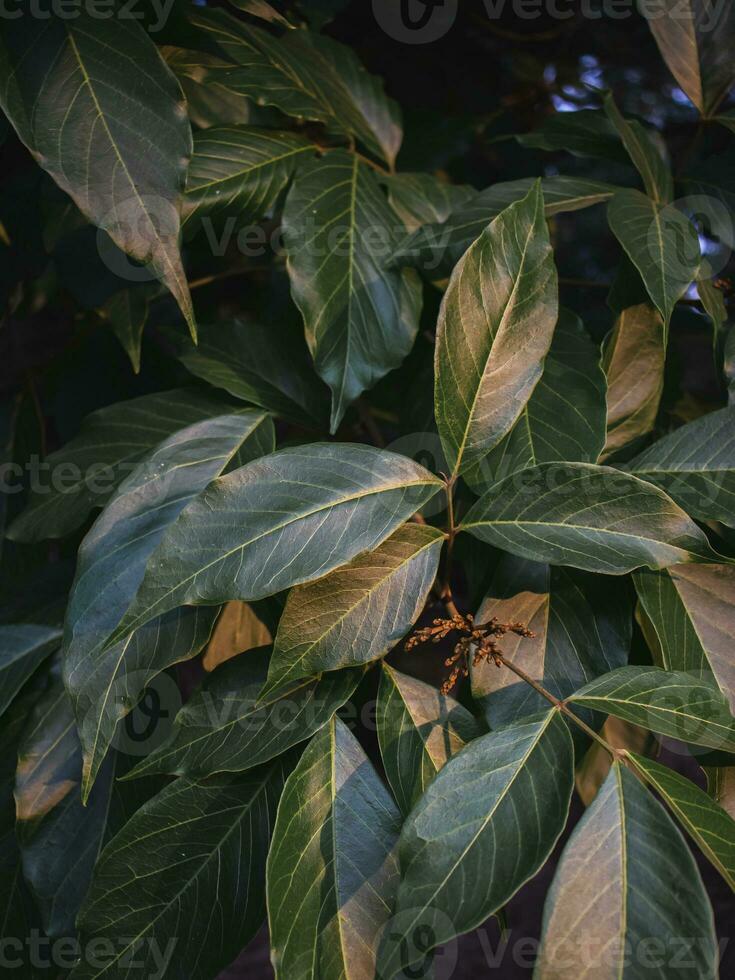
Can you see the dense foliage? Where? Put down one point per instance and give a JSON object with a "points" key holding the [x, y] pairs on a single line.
{"points": [[373, 555]]}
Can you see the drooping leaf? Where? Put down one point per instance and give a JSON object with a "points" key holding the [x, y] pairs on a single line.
{"points": [[60, 839], [670, 702], [691, 610], [227, 727], [626, 879], [263, 362], [238, 172], [361, 318], [108, 448], [695, 39], [564, 418], [419, 731], [357, 613], [23, 648], [585, 133], [287, 519], [695, 465], [106, 684], [495, 328], [633, 360], [644, 153], [709, 825], [332, 871], [500, 805], [306, 76], [661, 243], [422, 199], [582, 626], [200, 847], [127, 314], [590, 517], [436, 248], [70, 85]]}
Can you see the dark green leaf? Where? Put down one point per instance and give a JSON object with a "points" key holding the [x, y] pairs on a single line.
{"points": [[306, 76], [108, 448], [70, 86], [208, 104], [691, 610], [661, 243], [695, 465], [711, 828], [669, 702], [495, 328], [263, 362], [627, 900], [436, 248], [361, 317], [332, 871], [419, 731], [23, 648], [564, 418], [227, 727], [582, 627], [200, 847], [237, 172], [106, 684], [695, 39], [590, 517], [290, 518], [127, 313], [357, 613], [644, 152], [586, 133], [422, 199], [634, 359], [499, 805]]}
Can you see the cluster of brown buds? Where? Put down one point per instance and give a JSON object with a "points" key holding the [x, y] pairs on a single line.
{"points": [[478, 641]]}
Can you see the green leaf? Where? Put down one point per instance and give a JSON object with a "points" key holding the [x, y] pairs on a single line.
{"points": [[627, 900], [691, 610], [200, 847], [238, 172], [495, 327], [564, 418], [109, 446], [288, 519], [661, 243], [419, 731], [106, 684], [208, 104], [644, 153], [669, 702], [332, 870], [23, 648], [633, 360], [582, 627], [70, 86], [695, 465], [357, 613], [586, 133], [60, 838], [306, 76], [436, 248], [361, 318], [590, 517], [262, 362], [127, 313], [421, 199], [227, 727], [710, 827], [500, 805], [695, 39]]}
